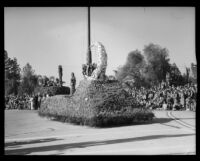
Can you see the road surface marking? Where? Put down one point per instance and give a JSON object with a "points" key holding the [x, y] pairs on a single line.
{"points": [[180, 122]]}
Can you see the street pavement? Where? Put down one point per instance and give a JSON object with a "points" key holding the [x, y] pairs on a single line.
{"points": [[170, 133]]}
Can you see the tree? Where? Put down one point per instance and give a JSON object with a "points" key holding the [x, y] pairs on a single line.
{"points": [[133, 66], [12, 74], [187, 74], [29, 80], [193, 73], [7, 66], [175, 75], [60, 74], [157, 62], [27, 71], [184, 79], [6, 61]]}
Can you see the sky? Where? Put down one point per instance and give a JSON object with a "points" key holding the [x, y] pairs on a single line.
{"points": [[47, 37]]}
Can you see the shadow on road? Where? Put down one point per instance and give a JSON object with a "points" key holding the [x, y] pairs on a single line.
{"points": [[16, 144], [154, 120], [62, 147], [161, 120]]}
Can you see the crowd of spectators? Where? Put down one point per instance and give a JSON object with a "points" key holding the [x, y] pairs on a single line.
{"points": [[17, 102], [29, 102], [25, 102], [157, 97], [167, 97]]}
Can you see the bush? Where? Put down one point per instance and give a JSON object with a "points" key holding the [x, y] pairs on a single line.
{"points": [[96, 103], [52, 90]]}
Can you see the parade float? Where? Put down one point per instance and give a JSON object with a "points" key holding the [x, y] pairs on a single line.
{"points": [[97, 101]]}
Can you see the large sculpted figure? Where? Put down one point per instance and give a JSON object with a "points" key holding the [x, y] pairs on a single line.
{"points": [[99, 69]]}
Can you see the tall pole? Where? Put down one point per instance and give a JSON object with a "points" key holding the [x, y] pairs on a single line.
{"points": [[88, 26], [89, 56]]}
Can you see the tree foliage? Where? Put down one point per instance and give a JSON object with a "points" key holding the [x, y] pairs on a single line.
{"points": [[157, 62], [12, 74], [132, 67], [147, 68], [193, 77], [27, 71], [26, 81], [175, 75], [29, 80]]}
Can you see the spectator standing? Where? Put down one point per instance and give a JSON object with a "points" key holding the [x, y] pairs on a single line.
{"points": [[188, 103], [175, 101], [39, 100], [36, 102], [31, 103], [182, 100], [164, 105]]}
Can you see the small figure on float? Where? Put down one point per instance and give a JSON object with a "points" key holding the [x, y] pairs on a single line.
{"points": [[72, 83]]}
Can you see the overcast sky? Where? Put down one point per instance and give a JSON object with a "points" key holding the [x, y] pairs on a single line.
{"points": [[50, 36]]}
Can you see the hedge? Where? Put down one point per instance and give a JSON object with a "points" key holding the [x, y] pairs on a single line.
{"points": [[97, 104], [52, 90]]}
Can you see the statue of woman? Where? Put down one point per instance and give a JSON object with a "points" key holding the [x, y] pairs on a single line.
{"points": [[73, 83]]}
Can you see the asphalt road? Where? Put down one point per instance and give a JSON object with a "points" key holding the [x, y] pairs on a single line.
{"points": [[171, 132]]}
